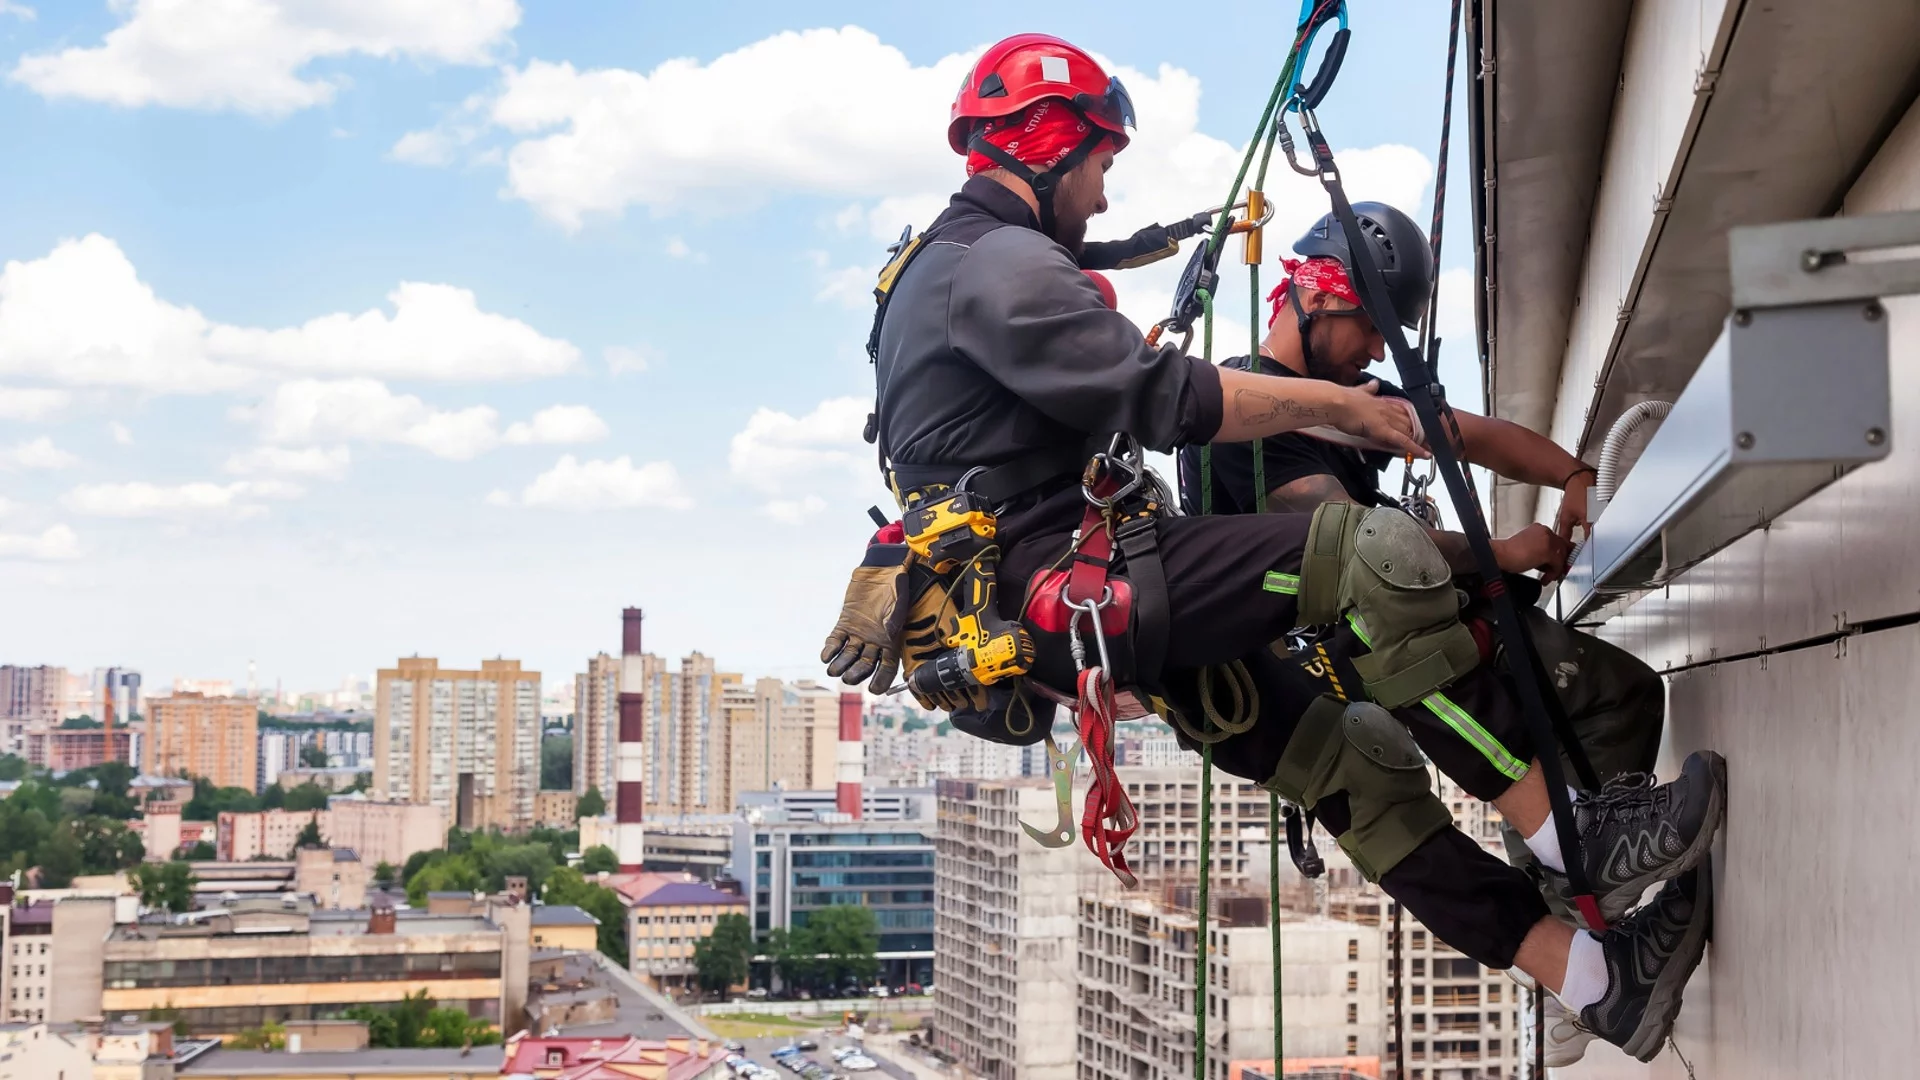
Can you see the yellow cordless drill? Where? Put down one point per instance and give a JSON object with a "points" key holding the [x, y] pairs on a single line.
{"points": [[955, 533]]}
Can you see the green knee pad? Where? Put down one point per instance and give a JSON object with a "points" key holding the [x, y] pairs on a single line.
{"points": [[1379, 567], [1361, 749]]}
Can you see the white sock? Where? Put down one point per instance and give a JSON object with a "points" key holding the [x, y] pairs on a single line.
{"points": [[1545, 845], [1586, 979]]}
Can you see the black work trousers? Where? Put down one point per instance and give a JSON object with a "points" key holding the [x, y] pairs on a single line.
{"points": [[1219, 612]]}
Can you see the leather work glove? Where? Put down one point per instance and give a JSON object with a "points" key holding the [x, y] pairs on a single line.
{"points": [[865, 640], [931, 621]]}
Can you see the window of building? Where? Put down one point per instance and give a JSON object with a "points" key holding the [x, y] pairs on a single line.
{"points": [[1353, 981], [1353, 1045], [1420, 967], [1419, 939], [1353, 948], [1353, 1013], [1493, 993]]}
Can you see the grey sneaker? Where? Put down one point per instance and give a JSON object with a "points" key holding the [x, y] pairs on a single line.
{"points": [[1566, 1038], [1634, 835], [1650, 956]]}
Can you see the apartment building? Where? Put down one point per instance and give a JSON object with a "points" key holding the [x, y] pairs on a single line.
{"points": [[215, 738], [237, 967], [1136, 986], [465, 741], [52, 958], [30, 697], [667, 915], [596, 725], [1005, 933]]}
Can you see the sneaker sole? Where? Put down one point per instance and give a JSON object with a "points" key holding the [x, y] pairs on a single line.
{"points": [[1663, 1004], [1622, 899]]}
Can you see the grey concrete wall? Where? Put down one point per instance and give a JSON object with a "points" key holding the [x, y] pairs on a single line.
{"points": [[80, 929]]}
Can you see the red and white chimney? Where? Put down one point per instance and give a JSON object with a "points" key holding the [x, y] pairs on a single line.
{"points": [[630, 761], [850, 758]]}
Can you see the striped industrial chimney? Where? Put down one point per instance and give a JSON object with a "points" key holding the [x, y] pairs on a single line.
{"points": [[850, 762], [630, 762]]}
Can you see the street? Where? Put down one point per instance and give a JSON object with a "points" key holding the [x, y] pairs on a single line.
{"points": [[761, 1052]]}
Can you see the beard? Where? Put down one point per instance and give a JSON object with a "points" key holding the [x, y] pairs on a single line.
{"points": [[1070, 234], [1319, 343]]}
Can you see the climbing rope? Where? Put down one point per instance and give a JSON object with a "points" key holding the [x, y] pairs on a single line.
{"points": [[1287, 92]]}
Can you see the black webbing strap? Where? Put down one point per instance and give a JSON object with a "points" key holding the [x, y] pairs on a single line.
{"points": [[1138, 539], [1000, 483], [1547, 720]]}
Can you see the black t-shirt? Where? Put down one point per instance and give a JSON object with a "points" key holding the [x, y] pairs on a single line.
{"points": [[1288, 458]]}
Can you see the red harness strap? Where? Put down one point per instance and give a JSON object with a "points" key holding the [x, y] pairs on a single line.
{"points": [[1108, 819]]}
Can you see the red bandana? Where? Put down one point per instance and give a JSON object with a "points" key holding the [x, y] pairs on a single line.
{"points": [[1314, 275], [1039, 137]]}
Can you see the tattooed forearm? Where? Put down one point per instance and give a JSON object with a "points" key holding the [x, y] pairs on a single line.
{"points": [[1305, 495], [1257, 407]]}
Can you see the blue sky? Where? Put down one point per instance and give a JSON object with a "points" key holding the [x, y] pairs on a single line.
{"points": [[335, 333]]}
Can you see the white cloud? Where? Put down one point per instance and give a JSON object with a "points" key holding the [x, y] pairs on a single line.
{"points": [[322, 463], [435, 332], [39, 453], [774, 118], [6, 507], [625, 359], [141, 499], [250, 55], [618, 484], [678, 249], [559, 424], [56, 544], [82, 316], [306, 411], [30, 403], [850, 286], [795, 511], [17, 10], [776, 449], [120, 432]]}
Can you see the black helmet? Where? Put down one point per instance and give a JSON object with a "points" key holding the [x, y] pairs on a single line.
{"points": [[1398, 245]]}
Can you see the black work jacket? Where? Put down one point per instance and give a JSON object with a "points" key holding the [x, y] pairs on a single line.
{"points": [[995, 346]]}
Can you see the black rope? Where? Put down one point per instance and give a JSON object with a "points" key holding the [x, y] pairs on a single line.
{"points": [[1438, 226]]}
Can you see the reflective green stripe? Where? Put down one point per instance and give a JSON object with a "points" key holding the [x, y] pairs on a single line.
{"points": [[1469, 729], [1461, 721], [1282, 583]]}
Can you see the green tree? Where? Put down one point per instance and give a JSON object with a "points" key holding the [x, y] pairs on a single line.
{"points": [[453, 874], [60, 858], [274, 798], [592, 804], [556, 763], [721, 958], [106, 845], [209, 802], [308, 796], [13, 768], [167, 885], [913, 723], [361, 782], [567, 886], [201, 851], [271, 1035], [384, 873], [794, 957], [313, 756], [598, 859], [310, 835], [414, 1021], [80, 723], [846, 937]]}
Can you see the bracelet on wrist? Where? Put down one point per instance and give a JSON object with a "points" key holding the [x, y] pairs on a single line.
{"points": [[1577, 472]]}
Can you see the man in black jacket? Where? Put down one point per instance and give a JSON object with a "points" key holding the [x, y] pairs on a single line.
{"points": [[997, 365]]}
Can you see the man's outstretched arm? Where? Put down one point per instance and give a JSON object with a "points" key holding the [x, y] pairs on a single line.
{"points": [[1532, 548], [1529, 457]]}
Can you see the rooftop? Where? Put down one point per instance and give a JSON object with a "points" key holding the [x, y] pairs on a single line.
{"points": [[687, 892], [562, 915], [436, 1062]]}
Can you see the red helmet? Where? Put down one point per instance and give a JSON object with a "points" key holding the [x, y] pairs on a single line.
{"points": [[1026, 68]]}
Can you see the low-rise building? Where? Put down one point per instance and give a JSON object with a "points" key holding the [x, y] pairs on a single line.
{"points": [[65, 749], [563, 926], [53, 951], [788, 869], [555, 809], [376, 829], [413, 1063], [95, 1049], [667, 915], [614, 1059], [228, 969]]}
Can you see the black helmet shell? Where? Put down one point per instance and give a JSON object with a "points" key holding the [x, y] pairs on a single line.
{"points": [[1398, 246]]}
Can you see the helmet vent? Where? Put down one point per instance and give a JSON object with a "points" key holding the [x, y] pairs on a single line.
{"points": [[993, 86]]}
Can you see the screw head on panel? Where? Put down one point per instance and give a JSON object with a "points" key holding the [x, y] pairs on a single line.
{"points": [[1742, 317], [1875, 436], [1872, 311], [1744, 440]]}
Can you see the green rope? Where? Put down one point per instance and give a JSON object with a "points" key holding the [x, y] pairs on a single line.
{"points": [[1218, 236]]}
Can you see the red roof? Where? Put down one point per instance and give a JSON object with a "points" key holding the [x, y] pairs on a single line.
{"points": [[610, 1059], [637, 886]]}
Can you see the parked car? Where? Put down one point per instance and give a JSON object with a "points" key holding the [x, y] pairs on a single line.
{"points": [[877, 991], [735, 1045], [807, 1044], [859, 1063], [757, 993], [844, 1052]]}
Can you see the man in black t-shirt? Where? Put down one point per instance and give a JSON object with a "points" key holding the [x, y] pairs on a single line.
{"points": [[1318, 330]]}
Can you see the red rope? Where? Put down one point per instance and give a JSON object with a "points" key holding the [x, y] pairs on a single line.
{"points": [[1108, 819]]}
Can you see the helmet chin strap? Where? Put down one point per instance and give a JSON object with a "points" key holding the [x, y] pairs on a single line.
{"points": [[1043, 184], [1304, 319]]}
